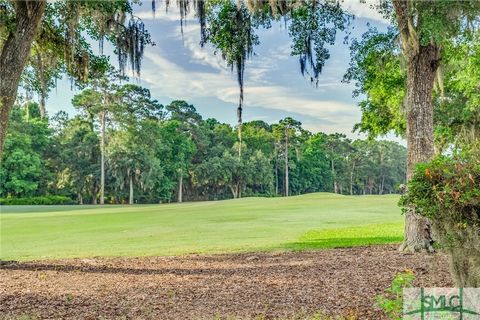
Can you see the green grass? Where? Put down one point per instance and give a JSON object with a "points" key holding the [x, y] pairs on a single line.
{"points": [[310, 221]]}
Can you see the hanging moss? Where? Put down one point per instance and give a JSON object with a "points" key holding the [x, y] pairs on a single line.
{"points": [[230, 29], [313, 28], [131, 44]]}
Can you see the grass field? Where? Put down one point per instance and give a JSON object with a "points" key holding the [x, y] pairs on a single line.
{"points": [[310, 221]]}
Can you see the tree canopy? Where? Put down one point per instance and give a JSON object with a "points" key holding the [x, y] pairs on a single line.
{"points": [[155, 153]]}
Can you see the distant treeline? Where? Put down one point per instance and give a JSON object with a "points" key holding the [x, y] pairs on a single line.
{"points": [[155, 153]]}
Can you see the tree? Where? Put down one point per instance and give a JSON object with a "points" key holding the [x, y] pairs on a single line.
{"points": [[252, 169], [230, 28], [287, 131], [155, 156], [42, 71], [313, 167], [24, 171], [59, 24], [15, 50], [457, 109], [93, 104], [337, 149], [136, 117], [78, 164], [208, 176], [177, 150], [131, 160], [258, 136], [425, 28], [123, 106], [376, 69]]}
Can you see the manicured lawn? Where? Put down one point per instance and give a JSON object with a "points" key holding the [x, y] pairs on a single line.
{"points": [[310, 221]]}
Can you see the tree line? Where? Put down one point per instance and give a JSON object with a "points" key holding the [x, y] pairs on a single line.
{"points": [[123, 146]]}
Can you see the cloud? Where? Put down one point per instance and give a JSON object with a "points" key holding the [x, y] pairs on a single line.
{"points": [[169, 79], [193, 73], [202, 55], [364, 9], [172, 13], [159, 16]]}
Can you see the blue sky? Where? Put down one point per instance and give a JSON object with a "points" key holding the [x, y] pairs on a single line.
{"points": [[179, 68]]}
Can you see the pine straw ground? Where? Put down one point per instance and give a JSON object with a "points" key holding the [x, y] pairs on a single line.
{"points": [[240, 286]]}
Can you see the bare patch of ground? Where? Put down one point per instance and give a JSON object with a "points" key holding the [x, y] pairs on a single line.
{"points": [[271, 285]]}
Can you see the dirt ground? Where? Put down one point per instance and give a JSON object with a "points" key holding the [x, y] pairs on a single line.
{"points": [[241, 286]]}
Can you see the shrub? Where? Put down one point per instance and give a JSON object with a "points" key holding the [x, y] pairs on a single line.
{"points": [[447, 191], [392, 302], [45, 200]]}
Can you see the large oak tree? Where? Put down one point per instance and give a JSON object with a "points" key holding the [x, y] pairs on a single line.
{"points": [[30, 28], [399, 69]]}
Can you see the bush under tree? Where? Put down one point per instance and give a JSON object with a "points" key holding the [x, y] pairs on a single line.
{"points": [[447, 191]]}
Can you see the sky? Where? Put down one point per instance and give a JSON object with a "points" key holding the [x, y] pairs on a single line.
{"points": [[178, 68]]}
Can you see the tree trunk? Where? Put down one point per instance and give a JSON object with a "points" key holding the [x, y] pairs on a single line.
{"points": [[102, 165], [351, 179], [335, 186], [43, 88], [43, 108], [130, 198], [240, 121], [14, 54], [286, 164], [180, 188], [276, 176], [422, 64], [234, 192], [420, 80], [382, 185]]}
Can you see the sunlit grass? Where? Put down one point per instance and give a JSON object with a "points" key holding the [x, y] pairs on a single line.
{"points": [[311, 221], [382, 233]]}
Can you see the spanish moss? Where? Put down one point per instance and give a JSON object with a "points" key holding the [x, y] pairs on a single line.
{"points": [[230, 29], [184, 6], [313, 28], [202, 20], [131, 44]]}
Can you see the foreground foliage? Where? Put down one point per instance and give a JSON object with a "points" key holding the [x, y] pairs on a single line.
{"points": [[447, 191], [392, 302]]}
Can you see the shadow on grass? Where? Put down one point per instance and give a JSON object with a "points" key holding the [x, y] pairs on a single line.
{"points": [[329, 243]]}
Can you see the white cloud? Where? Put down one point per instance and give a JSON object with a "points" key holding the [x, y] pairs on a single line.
{"points": [[161, 13], [172, 80], [205, 55], [364, 9], [186, 81]]}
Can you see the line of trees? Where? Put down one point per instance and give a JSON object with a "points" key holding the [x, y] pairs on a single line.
{"points": [[125, 147]]}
